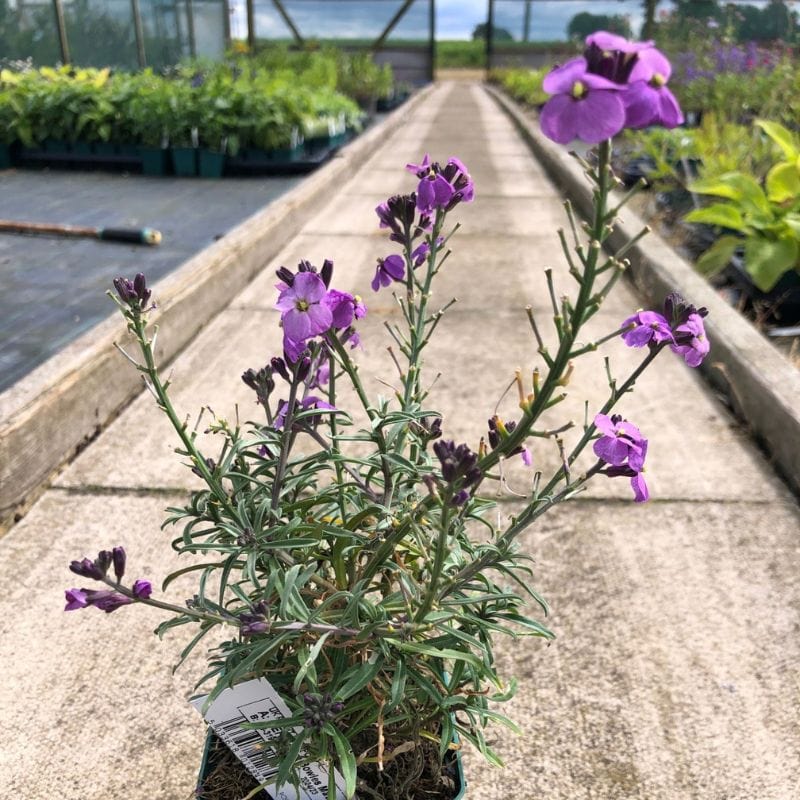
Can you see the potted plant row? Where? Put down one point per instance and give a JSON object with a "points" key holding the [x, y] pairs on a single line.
{"points": [[189, 125]]}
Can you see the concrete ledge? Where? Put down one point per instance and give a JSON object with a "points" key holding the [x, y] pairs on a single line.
{"points": [[49, 415], [763, 387]]}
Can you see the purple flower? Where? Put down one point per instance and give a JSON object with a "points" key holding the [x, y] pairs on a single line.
{"points": [[620, 441], [439, 187], [391, 268], [420, 254], [584, 106], [76, 598], [648, 101], [142, 589], [312, 401], [106, 600], [641, 494], [691, 341], [527, 458], [304, 314], [623, 447], [344, 308], [645, 327]]}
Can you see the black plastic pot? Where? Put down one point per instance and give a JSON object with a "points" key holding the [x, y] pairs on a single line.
{"points": [[208, 764], [184, 161], [5, 156], [154, 160], [210, 164], [781, 303]]}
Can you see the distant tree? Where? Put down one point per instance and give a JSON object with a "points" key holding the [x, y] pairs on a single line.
{"points": [[498, 34], [584, 23], [649, 24], [697, 9]]}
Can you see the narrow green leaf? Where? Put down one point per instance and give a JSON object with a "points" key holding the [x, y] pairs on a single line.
{"points": [[309, 661], [444, 652], [347, 760], [287, 765], [359, 676]]}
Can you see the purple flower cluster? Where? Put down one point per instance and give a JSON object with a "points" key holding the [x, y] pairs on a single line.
{"points": [[440, 189], [255, 621], [728, 59], [681, 326], [309, 308], [106, 600], [616, 84], [459, 468], [622, 446], [135, 293]]}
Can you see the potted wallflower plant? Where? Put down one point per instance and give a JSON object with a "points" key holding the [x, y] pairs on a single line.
{"points": [[353, 580]]}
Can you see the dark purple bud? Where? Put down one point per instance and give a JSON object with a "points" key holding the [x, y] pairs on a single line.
{"points": [[253, 627], [285, 275], [104, 560], [458, 463], [118, 557], [302, 368], [140, 287], [86, 568], [279, 366], [460, 498], [326, 273], [142, 589], [124, 289], [210, 463]]}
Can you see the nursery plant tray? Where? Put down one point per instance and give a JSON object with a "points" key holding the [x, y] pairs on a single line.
{"points": [[301, 165]]}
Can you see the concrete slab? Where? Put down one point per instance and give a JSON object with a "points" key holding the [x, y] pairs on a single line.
{"points": [[672, 674], [90, 706]]}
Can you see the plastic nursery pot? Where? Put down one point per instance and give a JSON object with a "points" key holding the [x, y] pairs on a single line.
{"points": [[81, 148], [210, 163], [781, 304], [56, 146], [5, 156], [154, 160], [184, 161], [214, 752], [105, 149]]}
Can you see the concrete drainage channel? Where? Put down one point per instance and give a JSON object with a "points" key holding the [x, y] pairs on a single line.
{"points": [[762, 386], [48, 416]]}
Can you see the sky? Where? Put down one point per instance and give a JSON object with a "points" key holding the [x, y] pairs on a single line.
{"points": [[455, 19]]}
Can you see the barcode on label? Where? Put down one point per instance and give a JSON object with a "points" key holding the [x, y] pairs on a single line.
{"points": [[257, 701]]}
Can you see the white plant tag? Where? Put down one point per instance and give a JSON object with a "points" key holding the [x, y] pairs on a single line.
{"points": [[257, 701]]}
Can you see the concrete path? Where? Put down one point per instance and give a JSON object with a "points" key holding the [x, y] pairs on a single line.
{"points": [[675, 671]]}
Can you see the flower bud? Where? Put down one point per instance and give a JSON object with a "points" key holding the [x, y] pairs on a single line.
{"points": [[118, 557]]}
